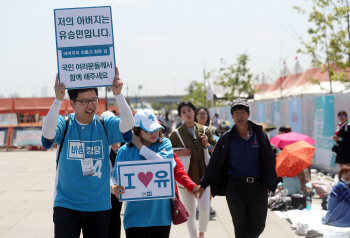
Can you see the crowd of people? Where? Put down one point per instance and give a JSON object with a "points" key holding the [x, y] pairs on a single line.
{"points": [[240, 165]]}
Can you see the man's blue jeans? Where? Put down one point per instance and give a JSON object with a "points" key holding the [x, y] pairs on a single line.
{"points": [[69, 223]]}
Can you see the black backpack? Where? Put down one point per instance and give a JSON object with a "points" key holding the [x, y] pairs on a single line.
{"points": [[67, 119]]}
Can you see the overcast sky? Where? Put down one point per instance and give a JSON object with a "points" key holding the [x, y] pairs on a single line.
{"points": [[162, 45]]}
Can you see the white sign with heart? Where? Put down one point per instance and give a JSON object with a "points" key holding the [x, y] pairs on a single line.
{"points": [[146, 180]]}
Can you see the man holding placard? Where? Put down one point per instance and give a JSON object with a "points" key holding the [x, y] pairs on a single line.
{"points": [[82, 185]]}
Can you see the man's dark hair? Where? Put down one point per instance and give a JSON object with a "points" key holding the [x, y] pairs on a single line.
{"points": [[239, 107], [73, 93], [205, 109], [185, 103]]}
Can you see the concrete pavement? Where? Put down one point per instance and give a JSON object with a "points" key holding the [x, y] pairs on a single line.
{"points": [[26, 199]]}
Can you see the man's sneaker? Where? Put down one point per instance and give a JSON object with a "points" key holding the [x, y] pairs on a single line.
{"points": [[212, 211]]}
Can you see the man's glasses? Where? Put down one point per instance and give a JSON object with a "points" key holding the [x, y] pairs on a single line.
{"points": [[202, 114], [86, 102], [341, 115]]}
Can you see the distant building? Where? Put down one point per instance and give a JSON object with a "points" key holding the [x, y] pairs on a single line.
{"points": [[14, 95], [44, 92], [147, 100]]}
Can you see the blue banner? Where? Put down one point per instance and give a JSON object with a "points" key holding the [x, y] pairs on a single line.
{"points": [[295, 115], [261, 112], [324, 129], [275, 116]]}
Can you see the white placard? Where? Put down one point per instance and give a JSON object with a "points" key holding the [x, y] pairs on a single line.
{"points": [[2, 138], [146, 180], [85, 48]]}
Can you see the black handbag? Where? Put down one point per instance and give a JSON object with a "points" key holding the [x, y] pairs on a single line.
{"points": [[335, 149], [297, 200]]}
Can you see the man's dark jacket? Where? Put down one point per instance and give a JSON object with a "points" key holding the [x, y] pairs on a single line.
{"points": [[216, 173]]}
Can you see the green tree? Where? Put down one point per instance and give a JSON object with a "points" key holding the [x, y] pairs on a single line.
{"points": [[329, 38], [156, 105], [236, 76], [196, 94]]}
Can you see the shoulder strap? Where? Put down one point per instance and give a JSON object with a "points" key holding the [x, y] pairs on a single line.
{"points": [[178, 134], [205, 129], [101, 119], [67, 119], [112, 155]]}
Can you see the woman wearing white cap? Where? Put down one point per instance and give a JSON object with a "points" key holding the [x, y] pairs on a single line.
{"points": [[149, 218]]}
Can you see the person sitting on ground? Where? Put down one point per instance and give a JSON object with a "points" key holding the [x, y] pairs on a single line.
{"points": [[338, 206], [284, 129], [295, 184]]}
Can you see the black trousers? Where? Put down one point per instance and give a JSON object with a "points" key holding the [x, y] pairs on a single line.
{"points": [[115, 221], [248, 207], [69, 223], [148, 232]]}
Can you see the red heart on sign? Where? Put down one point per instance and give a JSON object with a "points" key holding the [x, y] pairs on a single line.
{"points": [[145, 178]]}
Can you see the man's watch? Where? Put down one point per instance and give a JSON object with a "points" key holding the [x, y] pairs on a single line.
{"points": [[207, 147]]}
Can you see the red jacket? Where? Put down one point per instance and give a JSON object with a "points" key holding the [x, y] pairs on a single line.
{"points": [[181, 176]]}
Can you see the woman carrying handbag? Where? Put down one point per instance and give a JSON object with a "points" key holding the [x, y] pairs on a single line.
{"points": [[191, 137], [182, 178]]}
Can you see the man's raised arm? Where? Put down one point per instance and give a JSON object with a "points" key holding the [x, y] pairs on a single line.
{"points": [[127, 120], [50, 121]]}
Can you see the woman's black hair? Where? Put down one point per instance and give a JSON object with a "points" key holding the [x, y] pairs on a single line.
{"points": [[205, 109], [185, 103], [285, 129], [167, 116], [73, 93], [137, 131]]}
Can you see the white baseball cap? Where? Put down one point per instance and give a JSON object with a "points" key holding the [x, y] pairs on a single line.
{"points": [[147, 120]]}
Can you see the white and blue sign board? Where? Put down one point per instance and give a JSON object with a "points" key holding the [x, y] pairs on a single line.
{"points": [[85, 47], [146, 180]]}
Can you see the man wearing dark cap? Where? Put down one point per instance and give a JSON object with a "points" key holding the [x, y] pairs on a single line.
{"points": [[242, 168]]}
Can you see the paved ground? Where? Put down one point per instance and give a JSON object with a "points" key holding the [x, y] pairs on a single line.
{"points": [[26, 193]]}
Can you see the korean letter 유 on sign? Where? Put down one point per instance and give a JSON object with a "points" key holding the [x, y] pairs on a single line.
{"points": [[85, 47], [146, 180]]}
